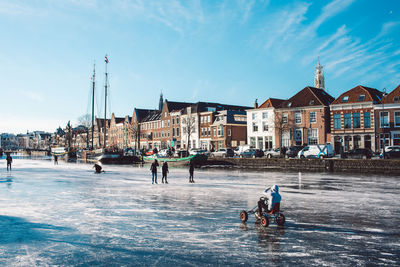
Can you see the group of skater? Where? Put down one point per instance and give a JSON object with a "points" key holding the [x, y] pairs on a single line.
{"points": [[165, 171]]}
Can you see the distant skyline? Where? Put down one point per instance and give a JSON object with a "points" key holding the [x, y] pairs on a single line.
{"points": [[229, 52]]}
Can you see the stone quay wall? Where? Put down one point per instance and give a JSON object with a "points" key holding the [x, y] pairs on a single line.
{"points": [[317, 165]]}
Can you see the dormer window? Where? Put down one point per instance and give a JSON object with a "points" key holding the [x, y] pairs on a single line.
{"points": [[311, 102], [289, 104], [361, 98], [396, 99], [345, 99]]}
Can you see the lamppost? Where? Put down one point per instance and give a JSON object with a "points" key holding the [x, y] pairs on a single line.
{"points": [[383, 124]]}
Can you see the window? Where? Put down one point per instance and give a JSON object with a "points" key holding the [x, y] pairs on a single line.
{"points": [[208, 118], [384, 119], [252, 141], [311, 102], [284, 118], [361, 98], [177, 131], [356, 120], [312, 136], [297, 117], [265, 126], [397, 118], [255, 127], [253, 116], [289, 104], [229, 132], [265, 115], [396, 99], [173, 121], [177, 120], [215, 131], [168, 123], [345, 99], [202, 132], [367, 120], [221, 130], [336, 121], [347, 121], [173, 131], [313, 117]]}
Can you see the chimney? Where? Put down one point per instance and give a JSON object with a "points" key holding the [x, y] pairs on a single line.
{"points": [[255, 104]]}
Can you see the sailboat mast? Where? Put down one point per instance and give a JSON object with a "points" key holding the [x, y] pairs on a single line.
{"points": [[93, 83], [105, 105]]}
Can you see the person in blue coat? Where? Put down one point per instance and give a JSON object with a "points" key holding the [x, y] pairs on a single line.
{"points": [[271, 197]]}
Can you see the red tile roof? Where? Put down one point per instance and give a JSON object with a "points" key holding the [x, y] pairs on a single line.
{"points": [[353, 95], [309, 96]]}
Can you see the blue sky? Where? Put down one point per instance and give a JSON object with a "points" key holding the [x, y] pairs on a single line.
{"points": [[221, 51]]}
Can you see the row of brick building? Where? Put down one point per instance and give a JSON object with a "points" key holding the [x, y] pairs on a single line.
{"points": [[360, 117]]}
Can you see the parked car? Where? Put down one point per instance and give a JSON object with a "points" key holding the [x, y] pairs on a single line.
{"points": [[240, 149], [223, 152], [394, 153], [252, 153], [163, 153], [316, 151], [388, 148], [273, 153], [194, 151], [359, 153], [292, 151]]}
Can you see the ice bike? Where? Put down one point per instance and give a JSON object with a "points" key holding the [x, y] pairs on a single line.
{"points": [[274, 216]]}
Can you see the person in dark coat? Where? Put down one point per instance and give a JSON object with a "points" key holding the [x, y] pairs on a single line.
{"points": [[55, 160], [153, 169], [9, 161], [191, 171], [164, 172], [98, 167]]}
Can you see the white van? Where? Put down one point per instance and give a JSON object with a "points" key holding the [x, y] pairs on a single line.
{"points": [[316, 151], [239, 149]]}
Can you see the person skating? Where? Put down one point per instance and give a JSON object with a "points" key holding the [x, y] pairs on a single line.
{"points": [[164, 172], [55, 160], [191, 171], [9, 162], [153, 169], [98, 167], [272, 197]]}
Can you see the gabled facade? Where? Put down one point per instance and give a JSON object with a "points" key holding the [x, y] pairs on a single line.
{"points": [[261, 124], [304, 119], [353, 119], [197, 121], [387, 117]]}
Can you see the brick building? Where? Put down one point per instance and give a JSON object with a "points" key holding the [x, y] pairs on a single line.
{"points": [[353, 118], [387, 117], [304, 118]]}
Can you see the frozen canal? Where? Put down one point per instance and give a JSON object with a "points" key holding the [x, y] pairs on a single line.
{"points": [[67, 215]]}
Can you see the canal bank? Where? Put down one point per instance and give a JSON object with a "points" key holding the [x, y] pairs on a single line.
{"points": [[315, 165]]}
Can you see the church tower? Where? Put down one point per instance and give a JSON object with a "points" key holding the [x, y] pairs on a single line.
{"points": [[319, 80], [160, 104]]}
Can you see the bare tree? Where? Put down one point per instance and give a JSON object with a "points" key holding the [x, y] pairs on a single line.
{"points": [[189, 127], [283, 123], [85, 120]]}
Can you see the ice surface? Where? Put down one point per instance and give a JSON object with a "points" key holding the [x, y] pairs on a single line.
{"points": [[68, 215]]}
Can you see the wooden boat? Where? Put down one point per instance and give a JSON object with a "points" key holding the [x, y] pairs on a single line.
{"points": [[175, 161]]}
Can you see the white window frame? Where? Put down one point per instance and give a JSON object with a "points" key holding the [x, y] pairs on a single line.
{"points": [[396, 125], [381, 125], [297, 117], [265, 115], [314, 116], [284, 118]]}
